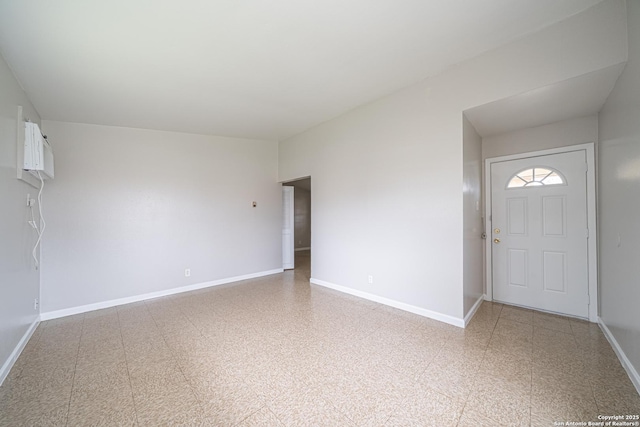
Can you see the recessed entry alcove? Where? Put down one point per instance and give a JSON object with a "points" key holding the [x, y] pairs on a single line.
{"points": [[544, 120]]}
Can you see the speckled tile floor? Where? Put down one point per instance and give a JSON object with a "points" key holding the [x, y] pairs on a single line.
{"points": [[277, 351]]}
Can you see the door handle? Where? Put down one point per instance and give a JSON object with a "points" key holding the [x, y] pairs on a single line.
{"points": [[496, 240]]}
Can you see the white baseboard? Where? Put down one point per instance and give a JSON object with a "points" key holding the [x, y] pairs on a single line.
{"points": [[6, 368], [473, 310], [455, 321], [302, 249], [136, 298], [626, 363]]}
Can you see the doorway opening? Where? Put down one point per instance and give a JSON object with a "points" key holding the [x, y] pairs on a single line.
{"points": [[296, 228]]}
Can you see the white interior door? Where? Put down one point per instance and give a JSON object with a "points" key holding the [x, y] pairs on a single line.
{"points": [[288, 242], [539, 232]]}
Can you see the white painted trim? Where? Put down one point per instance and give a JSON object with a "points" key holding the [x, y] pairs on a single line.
{"points": [[303, 249], [455, 321], [592, 244], [488, 268], [136, 298], [626, 363], [6, 368], [473, 310]]}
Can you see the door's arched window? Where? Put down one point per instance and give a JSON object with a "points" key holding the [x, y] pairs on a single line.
{"points": [[536, 176]]}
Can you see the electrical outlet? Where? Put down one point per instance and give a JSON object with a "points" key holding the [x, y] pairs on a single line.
{"points": [[370, 279], [35, 304], [187, 272], [30, 201]]}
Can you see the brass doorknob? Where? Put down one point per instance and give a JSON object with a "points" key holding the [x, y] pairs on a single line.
{"points": [[496, 240]]}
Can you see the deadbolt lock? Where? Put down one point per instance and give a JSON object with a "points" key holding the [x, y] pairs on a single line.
{"points": [[497, 231]]}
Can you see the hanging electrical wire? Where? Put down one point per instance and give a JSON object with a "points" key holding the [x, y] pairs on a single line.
{"points": [[38, 227]]}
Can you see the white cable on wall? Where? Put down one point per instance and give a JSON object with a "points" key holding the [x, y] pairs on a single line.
{"points": [[39, 228]]}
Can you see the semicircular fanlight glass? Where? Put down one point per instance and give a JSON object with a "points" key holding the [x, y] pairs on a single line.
{"points": [[535, 177]]}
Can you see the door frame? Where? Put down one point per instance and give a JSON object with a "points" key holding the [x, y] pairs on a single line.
{"points": [[288, 183], [289, 191], [592, 247]]}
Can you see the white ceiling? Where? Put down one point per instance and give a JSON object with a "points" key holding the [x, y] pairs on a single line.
{"points": [[577, 97], [246, 68]]}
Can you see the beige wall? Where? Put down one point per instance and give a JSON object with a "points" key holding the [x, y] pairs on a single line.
{"points": [[302, 218], [131, 209], [388, 175], [472, 206], [554, 135], [19, 280], [619, 203]]}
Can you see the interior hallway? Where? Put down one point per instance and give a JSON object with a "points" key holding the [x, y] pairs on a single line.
{"points": [[277, 351]]}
